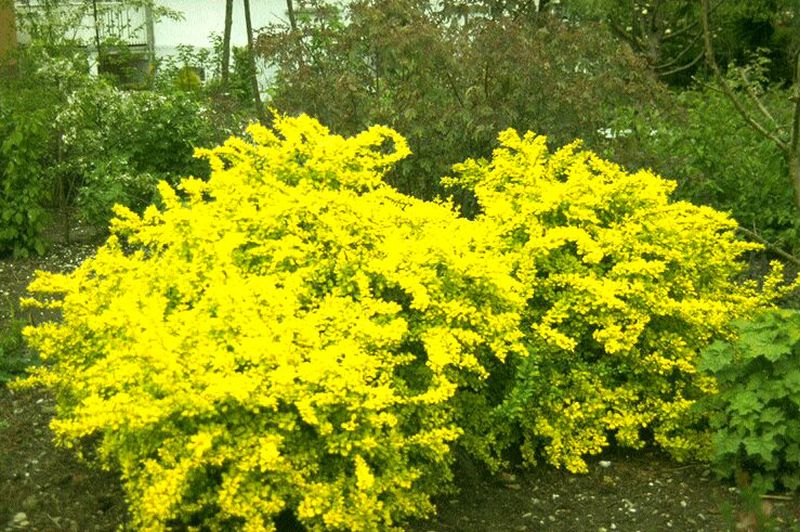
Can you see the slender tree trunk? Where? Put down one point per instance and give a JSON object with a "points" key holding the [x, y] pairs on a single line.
{"points": [[794, 173], [793, 149], [290, 12], [226, 44], [262, 116], [97, 35], [8, 38]]}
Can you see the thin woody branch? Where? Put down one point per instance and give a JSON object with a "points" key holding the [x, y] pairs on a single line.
{"points": [[769, 246], [686, 49], [753, 96], [681, 68]]}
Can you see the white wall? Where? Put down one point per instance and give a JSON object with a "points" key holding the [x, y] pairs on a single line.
{"points": [[203, 17]]}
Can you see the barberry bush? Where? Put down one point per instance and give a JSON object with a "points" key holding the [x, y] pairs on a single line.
{"points": [[288, 336], [295, 336], [626, 287]]}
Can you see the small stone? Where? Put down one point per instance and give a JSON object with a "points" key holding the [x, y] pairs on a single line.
{"points": [[19, 517], [604, 463], [684, 504]]}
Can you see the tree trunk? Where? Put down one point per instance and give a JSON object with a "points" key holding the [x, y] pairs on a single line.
{"points": [[290, 12], [794, 173], [262, 116], [226, 44], [97, 45], [8, 38], [793, 149]]}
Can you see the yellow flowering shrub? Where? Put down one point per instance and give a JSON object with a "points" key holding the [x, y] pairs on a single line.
{"points": [[626, 287], [286, 337]]}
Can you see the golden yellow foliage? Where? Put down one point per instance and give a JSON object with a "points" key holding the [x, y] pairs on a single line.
{"points": [[295, 335], [288, 335], [627, 286]]}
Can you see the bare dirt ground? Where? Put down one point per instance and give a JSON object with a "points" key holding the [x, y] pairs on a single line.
{"points": [[45, 488]]}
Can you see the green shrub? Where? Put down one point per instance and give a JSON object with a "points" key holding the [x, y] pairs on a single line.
{"points": [[754, 413], [72, 143], [116, 144], [627, 286], [24, 186], [288, 336], [451, 83], [720, 161]]}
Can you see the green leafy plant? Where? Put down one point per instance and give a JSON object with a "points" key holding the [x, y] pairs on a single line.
{"points": [[24, 182], [72, 144], [451, 85], [754, 413], [719, 161]]}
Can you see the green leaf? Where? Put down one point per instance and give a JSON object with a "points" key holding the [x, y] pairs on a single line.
{"points": [[715, 357], [725, 444], [745, 403], [790, 481], [792, 453], [791, 380], [762, 446], [793, 327], [772, 415], [764, 344]]}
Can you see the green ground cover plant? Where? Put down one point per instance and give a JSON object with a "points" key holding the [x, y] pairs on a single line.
{"points": [[755, 422]]}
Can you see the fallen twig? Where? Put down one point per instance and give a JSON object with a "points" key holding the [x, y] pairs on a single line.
{"points": [[777, 497]]}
